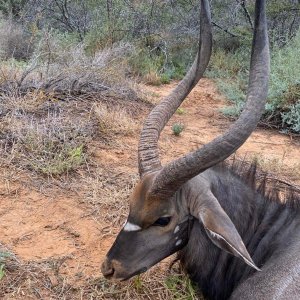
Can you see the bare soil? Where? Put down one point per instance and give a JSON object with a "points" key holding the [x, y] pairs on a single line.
{"points": [[66, 231]]}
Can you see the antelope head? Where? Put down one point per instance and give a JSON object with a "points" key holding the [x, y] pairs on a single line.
{"points": [[165, 202]]}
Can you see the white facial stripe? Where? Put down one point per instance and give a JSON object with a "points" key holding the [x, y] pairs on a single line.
{"points": [[176, 229], [131, 227]]}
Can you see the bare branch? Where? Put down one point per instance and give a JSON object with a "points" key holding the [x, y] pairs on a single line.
{"points": [[223, 29], [246, 13]]}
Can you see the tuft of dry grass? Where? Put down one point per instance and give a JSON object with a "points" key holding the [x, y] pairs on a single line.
{"points": [[17, 104], [292, 94], [10, 178], [21, 280], [152, 78], [114, 120]]}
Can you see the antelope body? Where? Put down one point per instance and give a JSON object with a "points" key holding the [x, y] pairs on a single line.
{"points": [[205, 212]]}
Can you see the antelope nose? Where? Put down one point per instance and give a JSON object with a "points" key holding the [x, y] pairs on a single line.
{"points": [[107, 269]]}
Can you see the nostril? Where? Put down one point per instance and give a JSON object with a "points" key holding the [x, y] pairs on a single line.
{"points": [[107, 269]]}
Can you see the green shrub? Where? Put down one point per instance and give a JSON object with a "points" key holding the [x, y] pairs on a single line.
{"points": [[97, 39], [231, 71], [177, 128], [232, 111], [156, 66], [292, 117], [3, 256], [143, 62], [165, 78]]}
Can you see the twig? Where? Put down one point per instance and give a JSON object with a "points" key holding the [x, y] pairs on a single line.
{"points": [[225, 30], [246, 13]]}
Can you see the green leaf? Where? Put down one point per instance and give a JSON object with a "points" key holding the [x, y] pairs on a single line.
{"points": [[2, 272]]}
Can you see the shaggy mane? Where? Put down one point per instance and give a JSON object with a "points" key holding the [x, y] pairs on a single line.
{"points": [[265, 211], [270, 188]]}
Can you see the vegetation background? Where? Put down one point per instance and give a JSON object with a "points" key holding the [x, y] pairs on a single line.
{"points": [[155, 40], [70, 73]]}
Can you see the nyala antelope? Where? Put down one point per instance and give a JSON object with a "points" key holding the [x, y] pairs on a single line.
{"points": [[233, 241]]}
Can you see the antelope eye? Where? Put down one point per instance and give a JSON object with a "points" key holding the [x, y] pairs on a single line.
{"points": [[162, 221]]}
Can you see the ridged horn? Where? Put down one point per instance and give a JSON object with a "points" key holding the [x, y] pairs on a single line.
{"points": [[177, 172], [148, 154]]}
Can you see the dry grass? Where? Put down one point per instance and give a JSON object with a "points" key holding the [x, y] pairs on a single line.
{"points": [[275, 166], [10, 179], [155, 284], [14, 42], [68, 72], [21, 280], [107, 193], [41, 129], [37, 135], [267, 173], [50, 147], [47, 110], [152, 78], [44, 280], [114, 120], [49, 136]]}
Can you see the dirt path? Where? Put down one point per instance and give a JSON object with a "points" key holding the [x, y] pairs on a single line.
{"points": [[202, 120], [74, 228]]}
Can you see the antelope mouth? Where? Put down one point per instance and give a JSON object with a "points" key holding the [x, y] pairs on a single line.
{"points": [[142, 270], [112, 272], [114, 276]]}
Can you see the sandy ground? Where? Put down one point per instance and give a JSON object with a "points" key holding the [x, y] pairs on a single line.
{"points": [[69, 226]]}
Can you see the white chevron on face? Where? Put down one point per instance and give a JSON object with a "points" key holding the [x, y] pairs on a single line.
{"points": [[131, 227]]}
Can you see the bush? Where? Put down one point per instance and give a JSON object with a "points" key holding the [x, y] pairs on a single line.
{"points": [[63, 67], [40, 134], [292, 117], [15, 43], [146, 65], [177, 128], [230, 69], [160, 64], [52, 146]]}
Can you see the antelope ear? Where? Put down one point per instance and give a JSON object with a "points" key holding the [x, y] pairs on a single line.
{"points": [[222, 231]]}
